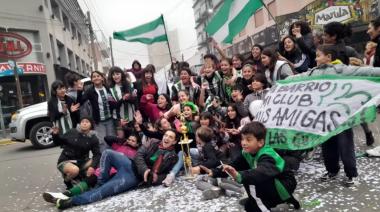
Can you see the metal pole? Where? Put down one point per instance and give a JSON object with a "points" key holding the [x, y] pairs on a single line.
{"points": [[112, 61], [167, 42], [92, 38], [17, 79], [18, 86], [275, 22], [2, 125]]}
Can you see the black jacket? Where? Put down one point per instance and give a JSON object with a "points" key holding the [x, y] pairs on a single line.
{"points": [[243, 83], [54, 113], [210, 156], [91, 95], [262, 177], [77, 146], [376, 62], [142, 161]]}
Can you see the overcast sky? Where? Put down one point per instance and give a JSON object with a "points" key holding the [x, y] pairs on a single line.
{"points": [[117, 15]]}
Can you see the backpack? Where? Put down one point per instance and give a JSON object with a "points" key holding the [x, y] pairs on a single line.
{"points": [[85, 109]]}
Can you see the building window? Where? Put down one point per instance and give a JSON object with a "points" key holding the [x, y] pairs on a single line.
{"points": [[62, 58], [259, 18], [272, 10], [83, 67], [71, 64], [55, 10], [79, 39], [73, 32], [66, 22], [53, 50], [78, 65]]}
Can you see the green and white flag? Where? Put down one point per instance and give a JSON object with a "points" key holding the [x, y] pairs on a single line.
{"points": [[231, 19], [305, 112], [148, 33]]}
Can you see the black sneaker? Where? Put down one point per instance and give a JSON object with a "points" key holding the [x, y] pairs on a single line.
{"points": [[328, 176], [52, 197], [243, 201], [349, 181], [369, 139], [64, 204]]}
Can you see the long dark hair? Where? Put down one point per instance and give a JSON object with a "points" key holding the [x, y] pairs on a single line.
{"points": [[54, 86], [149, 69], [338, 29], [124, 82], [273, 58], [207, 115], [168, 100], [305, 28], [238, 117], [294, 51], [101, 74]]}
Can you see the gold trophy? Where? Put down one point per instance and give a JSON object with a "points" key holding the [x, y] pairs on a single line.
{"points": [[185, 147]]}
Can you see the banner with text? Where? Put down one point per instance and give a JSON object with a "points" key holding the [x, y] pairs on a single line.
{"points": [[305, 112]]}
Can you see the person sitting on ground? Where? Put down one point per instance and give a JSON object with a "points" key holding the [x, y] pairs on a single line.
{"points": [[208, 154], [150, 165], [261, 170], [119, 144], [74, 162]]}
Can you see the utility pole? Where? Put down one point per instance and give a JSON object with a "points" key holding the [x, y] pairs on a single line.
{"points": [[18, 86], [92, 38], [112, 61], [13, 65]]}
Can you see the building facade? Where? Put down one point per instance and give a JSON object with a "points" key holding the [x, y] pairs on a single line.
{"points": [[203, 12], [51, 38], [269, 24]]}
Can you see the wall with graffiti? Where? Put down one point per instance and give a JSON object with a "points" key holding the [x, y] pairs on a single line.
{"points": [[355, 12]]}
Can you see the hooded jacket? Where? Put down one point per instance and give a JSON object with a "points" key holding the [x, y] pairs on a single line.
{"points": [[77, 146]]}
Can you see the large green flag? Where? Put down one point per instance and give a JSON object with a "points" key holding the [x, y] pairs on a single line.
{"points": [[231, 19], [148, 33], [305, 112]]}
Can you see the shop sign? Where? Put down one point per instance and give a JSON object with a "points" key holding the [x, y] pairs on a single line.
{"points": [[333, 13], [14, 46], [22, 68]]}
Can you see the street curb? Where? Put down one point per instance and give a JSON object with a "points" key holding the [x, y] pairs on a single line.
{"points": [[6, 141]]}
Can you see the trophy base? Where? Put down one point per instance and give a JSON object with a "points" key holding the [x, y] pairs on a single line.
{"points": [[189, 177]]}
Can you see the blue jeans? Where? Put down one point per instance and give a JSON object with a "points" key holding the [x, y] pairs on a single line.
{"points": [[179, 165], [124, 180], [104, 128]]}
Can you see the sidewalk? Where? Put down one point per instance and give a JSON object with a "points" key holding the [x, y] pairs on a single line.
{"points": [[7, 140]]}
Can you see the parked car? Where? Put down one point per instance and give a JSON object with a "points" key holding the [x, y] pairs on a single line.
{"points": [[33, 123]]}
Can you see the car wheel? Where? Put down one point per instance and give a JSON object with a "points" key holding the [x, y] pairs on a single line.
{"points": [[40, 135]]}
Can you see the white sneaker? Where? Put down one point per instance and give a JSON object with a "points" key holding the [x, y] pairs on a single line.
{"points": [[374, 152], [168, 180]]}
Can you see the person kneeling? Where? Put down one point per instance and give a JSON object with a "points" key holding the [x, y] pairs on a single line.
{"points": [[261, 170]]}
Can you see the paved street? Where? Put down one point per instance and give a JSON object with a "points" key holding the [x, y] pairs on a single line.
{"points": [[27, 172]]}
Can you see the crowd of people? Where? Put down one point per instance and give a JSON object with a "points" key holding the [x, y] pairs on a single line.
{"points": [[132, 131]]}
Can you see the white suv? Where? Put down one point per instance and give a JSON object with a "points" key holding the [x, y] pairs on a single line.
{"points": [[33, 123]]}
